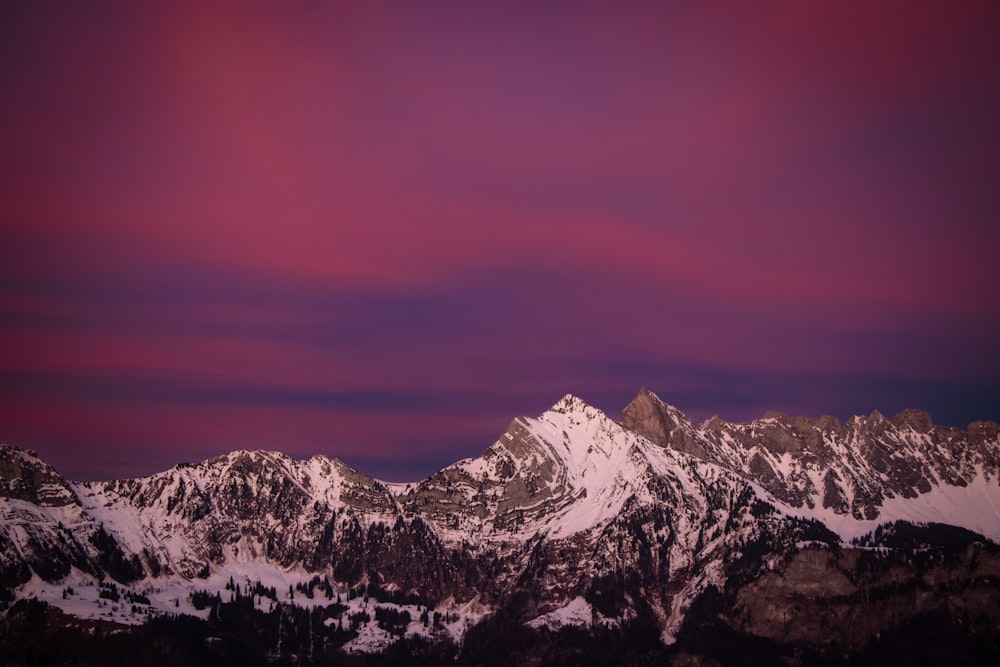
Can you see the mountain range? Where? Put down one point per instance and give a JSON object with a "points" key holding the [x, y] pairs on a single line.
{"points": [[792, 540]]}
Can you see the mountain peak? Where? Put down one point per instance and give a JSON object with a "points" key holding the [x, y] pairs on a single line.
{"points": [[918, 420], [647, 394], [659, 422], [569, 403], [10, 452], [24, 476], [574, 405], [647, 398]]}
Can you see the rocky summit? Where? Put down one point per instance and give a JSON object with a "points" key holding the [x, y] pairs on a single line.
{"points": [[651, 538]]}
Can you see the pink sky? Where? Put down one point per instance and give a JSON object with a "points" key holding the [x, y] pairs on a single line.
{"points": [[379, 231]]}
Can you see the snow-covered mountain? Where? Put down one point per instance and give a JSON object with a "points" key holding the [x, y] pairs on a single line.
{"points": [[569, 518], [852, 476]]}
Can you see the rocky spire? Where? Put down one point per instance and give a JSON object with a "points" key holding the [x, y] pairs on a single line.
{"points": [[660, 423]]}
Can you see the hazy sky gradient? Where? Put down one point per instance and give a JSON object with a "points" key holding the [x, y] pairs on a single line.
{"points": [[379, 231]]}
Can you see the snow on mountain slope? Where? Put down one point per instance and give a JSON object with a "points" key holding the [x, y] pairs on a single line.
{"points": [[43, 527], [575, 499], [241, 507], [590, 517], [567, 471], [572, 470], [851, 476]]}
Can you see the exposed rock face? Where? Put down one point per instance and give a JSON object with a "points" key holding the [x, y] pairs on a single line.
{"points": [[638, 519], [23, 476], [814, 465], [658, 422], [44, 528], [846, 598], [245, 505]]}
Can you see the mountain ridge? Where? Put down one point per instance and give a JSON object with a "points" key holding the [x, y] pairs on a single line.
{"points": [[820, 464], [611, 521]]}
